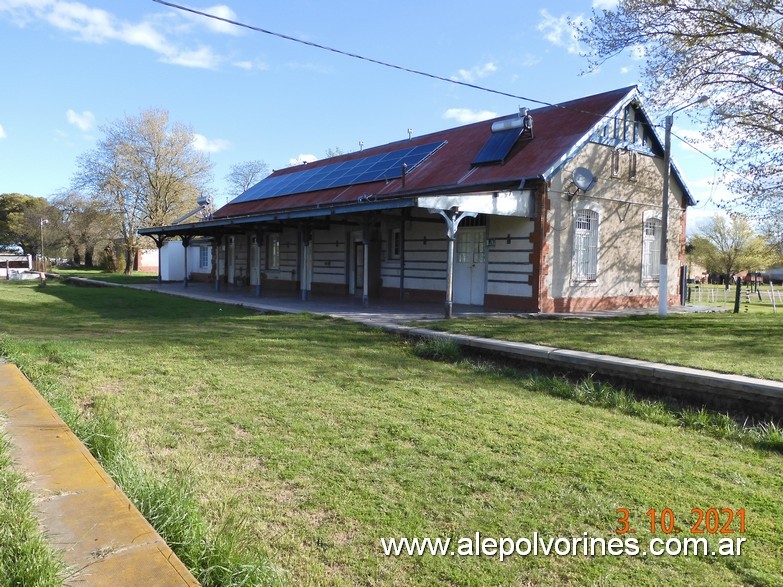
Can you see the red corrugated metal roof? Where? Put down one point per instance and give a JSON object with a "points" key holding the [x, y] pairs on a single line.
{"points": [[557, 130]]}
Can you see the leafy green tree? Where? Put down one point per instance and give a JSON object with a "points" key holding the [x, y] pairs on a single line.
{"points": [[147, 172], [727, 246], [20, 221], [730, 50], [86, 224]]}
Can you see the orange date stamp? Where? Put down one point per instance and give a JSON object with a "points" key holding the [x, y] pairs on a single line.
{"points": [[704, 521]]}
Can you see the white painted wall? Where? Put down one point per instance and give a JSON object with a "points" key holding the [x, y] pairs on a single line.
{"points": [[173, 261]]}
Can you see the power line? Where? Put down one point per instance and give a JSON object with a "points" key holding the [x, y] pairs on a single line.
{"points": [[424, 74], [714, 160], [375, 61]]}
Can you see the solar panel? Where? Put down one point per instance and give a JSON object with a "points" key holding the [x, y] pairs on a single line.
{"points": [[383, 166], [497, 147]]}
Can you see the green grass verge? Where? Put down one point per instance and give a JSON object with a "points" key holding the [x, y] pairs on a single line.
{"points": [[213, 553], [138, 277], [745, 344], [25, 556], [324, 437]]}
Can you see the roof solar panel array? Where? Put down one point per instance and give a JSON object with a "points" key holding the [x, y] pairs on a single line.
{"points": [[383, 166], [498, 146]]}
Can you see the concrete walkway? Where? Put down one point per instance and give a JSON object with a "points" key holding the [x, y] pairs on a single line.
{"points": [[380, 311], [103, 538]]}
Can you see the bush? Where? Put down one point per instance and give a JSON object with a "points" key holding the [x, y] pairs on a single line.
{"points": [[110, 262]]}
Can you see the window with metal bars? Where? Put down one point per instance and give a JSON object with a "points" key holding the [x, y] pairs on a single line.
{"points": [[586, 245], [651, 250], [273, 251]]}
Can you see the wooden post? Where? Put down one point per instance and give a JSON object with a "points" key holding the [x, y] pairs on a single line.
{"points": [[737, 296], [185, 245], [225, 256], [259, 240], [304, 281], [215, 265], [160, 240], [402, 255]]}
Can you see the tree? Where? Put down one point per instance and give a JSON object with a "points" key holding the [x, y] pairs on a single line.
{"points": [[730, 50], [333, 152], [245, 175], [728, 246], [87, 224], [147, 172], [20, 221]]}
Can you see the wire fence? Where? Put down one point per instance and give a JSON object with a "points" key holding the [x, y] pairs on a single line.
{"points": [[760, 296]]}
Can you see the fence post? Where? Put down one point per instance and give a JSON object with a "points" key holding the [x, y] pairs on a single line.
{"points": [[737, 296]]}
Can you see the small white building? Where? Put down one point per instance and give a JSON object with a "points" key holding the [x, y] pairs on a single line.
{"points": [[199, 264], [12, 265]]}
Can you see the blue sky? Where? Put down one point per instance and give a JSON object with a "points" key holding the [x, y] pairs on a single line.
{"points": [[70, 67]]}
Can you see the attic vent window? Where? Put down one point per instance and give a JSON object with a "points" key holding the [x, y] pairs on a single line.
{"points": [[505, 134]]}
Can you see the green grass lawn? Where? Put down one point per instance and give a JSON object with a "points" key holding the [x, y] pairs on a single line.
{"points": [[137, 277], [322, 437], [745, 343]]}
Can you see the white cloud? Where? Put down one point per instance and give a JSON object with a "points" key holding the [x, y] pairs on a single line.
{"points": [[95, 25], [529, 60], [605, 4], [559, 31], [201, 58], [205, 145], [2, 132], [466, 116], [250, 65], [624, 70], [218, 26], [84, 121], [303, 158], [475, 73]]}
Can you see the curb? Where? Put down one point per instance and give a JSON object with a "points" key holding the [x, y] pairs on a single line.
{"points": [[738, 393], [104, 540]]}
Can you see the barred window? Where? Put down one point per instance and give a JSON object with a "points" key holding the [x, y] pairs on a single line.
{"points": [[586, 246], [395, 243], [203, 256], [651, 250], [273, 251]]}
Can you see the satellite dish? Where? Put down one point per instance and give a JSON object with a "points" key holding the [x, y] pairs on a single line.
{"points": [[583, 178]]}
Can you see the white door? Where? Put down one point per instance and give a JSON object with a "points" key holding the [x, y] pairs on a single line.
{"points": [[470, 266]]}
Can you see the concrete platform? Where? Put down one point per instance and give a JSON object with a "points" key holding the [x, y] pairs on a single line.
{"points": [[738, 394], [103, 538]]}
